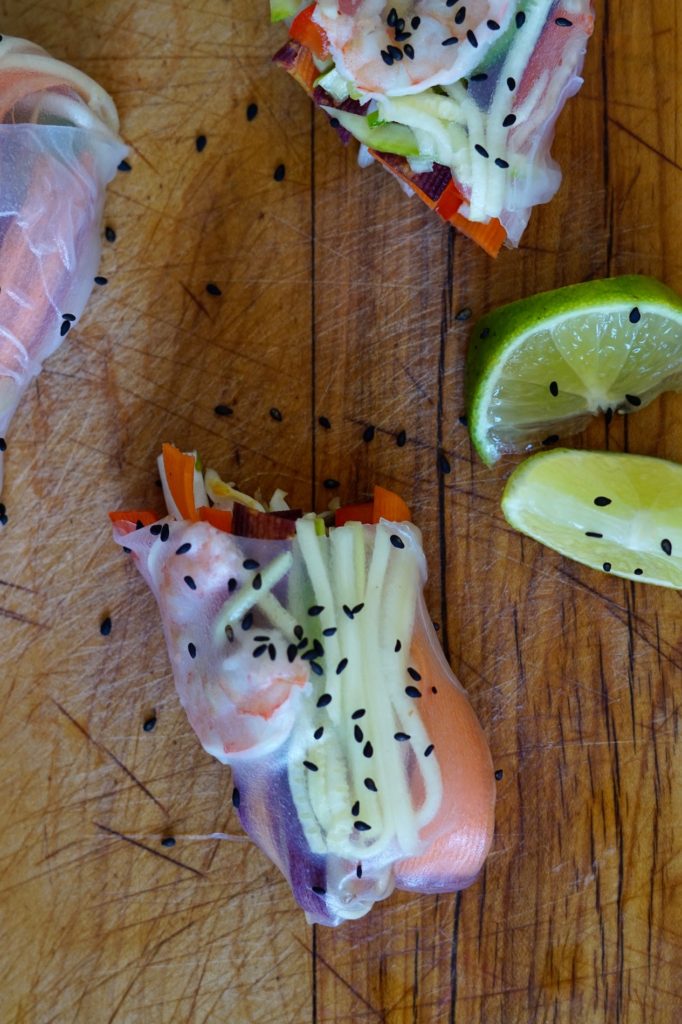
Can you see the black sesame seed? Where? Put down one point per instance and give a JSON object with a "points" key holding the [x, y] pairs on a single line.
{"points": [[319, 732], [101, 280], [168, 841], [386, 57], [68, 316], [606, 567], [492, 25], [229, 633], [638, 572], [634, 400], [608, 416], [291, 652], [325, 699], [368, 749], [329, 631], [563, 22], [231, 583], [223, 410], [358, 870], [397, 541], [499, 162], [511, 84], [415, 23], [429, 750], [3, 520], [397, 647], [554, 388], [261, 639], [520, 19], [434, 689], [443, 463], [190, 583], [213, 289], [412, 691], [165, 533], [464, 313], [341, 665], [324, 422], [471, 36], [461, 14], [251, 111], [257, 581], [236, 798], [272, 652], [592, 533], [109, 234], [124, 166], [183, 549], [360, 713], [484, 333], [317, 669], [315, 609], [602, 501], [509, 120], [64, 329], [408, 50], [200, 143], [401, 737], [310, 765], [392, 18], [368, 433], [463, 420], [105, 624], [413, 674], [450, 41], [247, 621], [361, 826], [355, 809], [192, 650], [371, 785], [635, 315], [396, 53], [358, 734], [331, 484], [499, 774], [401, 439], [260, 650], [149, 723], [481, 150], [480, 76], [552, 439], [298, 632], [250, 563], [319, 890], [666, 546], [155, 529], [356, 609], [280, 171], [139, 525], [2, 509]]}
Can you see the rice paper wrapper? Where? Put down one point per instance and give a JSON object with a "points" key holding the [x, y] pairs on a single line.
{"points": [[312, 668]]}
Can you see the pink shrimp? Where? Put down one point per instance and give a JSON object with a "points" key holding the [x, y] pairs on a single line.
{"points": [[401, 48]]}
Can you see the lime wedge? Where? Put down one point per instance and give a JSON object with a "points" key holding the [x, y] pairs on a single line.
{"points": [[615, 512], [540, 368]]}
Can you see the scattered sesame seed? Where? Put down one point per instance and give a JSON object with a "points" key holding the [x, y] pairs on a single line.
{"points": [[608, 416], [334, 122], [480, 76], [412, 691], [355, 809], [260, 650], [251, 111], [397, 541], [317, 669], [315, 609], [368, 433], [461, 13], [635, 315], [168, 841], [395, 52], [310, 765], [638, 572], [247, 621], [319, 732], [401, 439], [481, 150], [276, 414], [666, 546], [231, 584], [634, 400], [606, 567], [223, 410], [592, 533], [325, 699], [563, 22], [471, 36], [554, 388], [463, 315], [463, 420], [358, 734], [368, 749], [101, 280], [413, 674], [499, 162], [520, 19], [429, 750], [257, 581], [105, 626], [602, 501], [397, 647], [324, 422], [272, 652], [371, 785], [361, 826], [401, 737], [68, 316], [190, 583], [250, 563], [298, 632], [155, 529], [280, 171], [319, 890], [165, 533], [64, 329], [434, 689], [511, 84], [331, 484], [200, 143], [291, 652], [236, 797], [450, 41], [124, 166], [360, 713], [499, 773], [358, 871], [149, 723], [329, 631], [109, 234], [341, 665], [386, 57], [408, 50], [192, 650], [213, 289], [443, 463], [415, 23], [492, 25]]}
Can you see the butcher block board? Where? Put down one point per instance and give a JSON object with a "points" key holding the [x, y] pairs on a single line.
{"points": [[339, 298]]}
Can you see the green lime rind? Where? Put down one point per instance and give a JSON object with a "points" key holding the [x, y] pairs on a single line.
{"points": [[566, 498], [507, 413]]}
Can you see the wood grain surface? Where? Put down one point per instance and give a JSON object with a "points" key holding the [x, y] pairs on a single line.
{"points": [[339, 299]]}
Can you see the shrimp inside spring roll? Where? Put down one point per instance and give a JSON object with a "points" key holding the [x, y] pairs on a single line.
{"points": [[305, 659]]}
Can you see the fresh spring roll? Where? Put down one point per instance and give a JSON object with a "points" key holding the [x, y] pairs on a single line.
{"points": [[304, 657], [59, 148], [457, 100]]}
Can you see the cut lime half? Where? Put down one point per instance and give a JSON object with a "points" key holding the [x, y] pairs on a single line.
{"points": [[615, 512], [540, 368]]}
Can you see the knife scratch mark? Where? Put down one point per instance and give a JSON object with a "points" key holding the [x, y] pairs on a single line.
{"points": [[647, 145], [149, 849], [194, 299], [332, 970]]}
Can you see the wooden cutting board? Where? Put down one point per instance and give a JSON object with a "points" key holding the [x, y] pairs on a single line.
{"points": [[339, 298]]}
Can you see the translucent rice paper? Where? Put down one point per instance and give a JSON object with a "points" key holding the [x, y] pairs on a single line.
{"points": [[312, 668], [58, 150]]}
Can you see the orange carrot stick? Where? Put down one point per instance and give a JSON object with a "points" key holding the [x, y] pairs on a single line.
{"points": [[180, 476]]}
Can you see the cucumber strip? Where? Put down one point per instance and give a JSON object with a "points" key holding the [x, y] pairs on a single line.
{"points": [[385, 138], [248, 597]]}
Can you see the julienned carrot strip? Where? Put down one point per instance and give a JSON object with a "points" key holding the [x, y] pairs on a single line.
{"points": [[388, 505], [221, 518], [180, 476], [361, 512], [450, 201], [307, 33], [489, 236], [136, 515]]}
